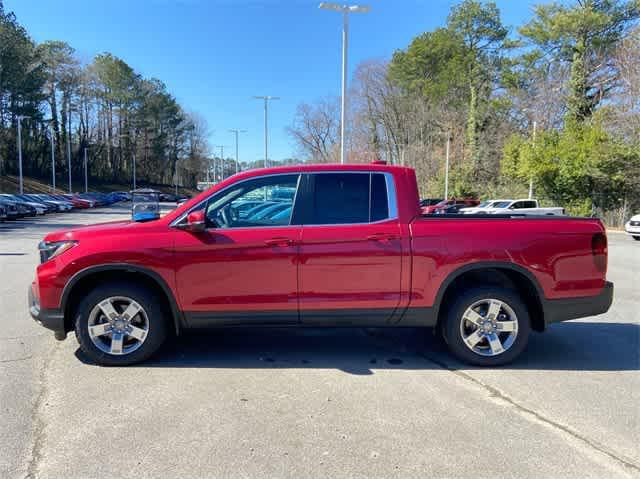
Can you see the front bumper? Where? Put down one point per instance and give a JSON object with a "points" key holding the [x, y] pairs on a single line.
{"points": [[52, 319], [556, 310]]}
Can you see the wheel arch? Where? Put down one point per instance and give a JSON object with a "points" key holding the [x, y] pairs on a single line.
{"points": [[84, 280], [497, 273]]}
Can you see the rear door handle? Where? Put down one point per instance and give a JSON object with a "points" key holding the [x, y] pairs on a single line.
{"points": [[278, 242], [381, 237]]}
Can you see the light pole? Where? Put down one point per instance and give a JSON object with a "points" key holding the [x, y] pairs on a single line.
{"points": [[535, 126], [133, 168], [53, 158], [86, 175], [69, 145], [175, 177], [345, 10], [266, 127], [446, 168], [236, 132], [222, 147], [20, 118]]}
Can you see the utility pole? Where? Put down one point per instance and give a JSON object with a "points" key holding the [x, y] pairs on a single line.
{"points": [[535, 125], [345, 10], [446, 168], [266, 124], [236, 134]]}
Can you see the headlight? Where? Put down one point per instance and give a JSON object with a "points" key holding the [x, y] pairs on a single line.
{"points": [[52, 249]]}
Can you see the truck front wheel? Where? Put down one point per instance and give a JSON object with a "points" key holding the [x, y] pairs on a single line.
{"points": [[118, 324], [487, 326]]}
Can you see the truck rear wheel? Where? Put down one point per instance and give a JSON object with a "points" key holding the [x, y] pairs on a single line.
{"points": [[637, 238], [487, 326], [118, 324]]}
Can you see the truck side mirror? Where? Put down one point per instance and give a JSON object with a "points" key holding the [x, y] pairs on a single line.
{"points": [[195, 222]]}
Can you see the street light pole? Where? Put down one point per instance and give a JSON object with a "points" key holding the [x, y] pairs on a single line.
{"points": [[535, 125], [86, 182], [345, 10], [69, 145], [53, 159], [266, 124], [133, 157], [236, 132], [222, 147], [446, 168], [20, 117]]}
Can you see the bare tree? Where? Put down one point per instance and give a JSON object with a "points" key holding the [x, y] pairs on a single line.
{"points": [[316, 130]]}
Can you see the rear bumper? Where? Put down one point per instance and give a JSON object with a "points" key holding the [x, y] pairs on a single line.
{"points": [[556, 310], [52, 319]]}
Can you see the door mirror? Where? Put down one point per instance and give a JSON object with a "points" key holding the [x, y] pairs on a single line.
{"points": [[195, 222]]}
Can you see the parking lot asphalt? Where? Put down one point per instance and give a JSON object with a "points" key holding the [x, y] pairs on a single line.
{"points": [[317, 403]]}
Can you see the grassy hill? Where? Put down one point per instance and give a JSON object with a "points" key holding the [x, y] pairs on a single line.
{"points": [[11, 184]]}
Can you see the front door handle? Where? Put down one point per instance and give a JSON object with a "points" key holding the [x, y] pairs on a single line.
{"points": [[278, 242], [382, 237]]}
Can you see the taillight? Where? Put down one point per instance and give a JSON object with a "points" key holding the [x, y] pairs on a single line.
{"points": [[599, 250]]}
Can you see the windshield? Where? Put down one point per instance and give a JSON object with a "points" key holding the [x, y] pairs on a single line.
{"points": [[501, 204]]}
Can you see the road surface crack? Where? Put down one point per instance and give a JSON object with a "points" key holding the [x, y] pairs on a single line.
{"points": [[496, 393], [16, 360], [37, 416]]}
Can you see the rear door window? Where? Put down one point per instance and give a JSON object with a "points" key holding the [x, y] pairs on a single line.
{"points": [[348, 198]]}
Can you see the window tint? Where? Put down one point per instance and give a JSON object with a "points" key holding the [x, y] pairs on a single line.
{"points": [[529, 204], [340, 198], [266, 201], [379, 202], [344, 198]]}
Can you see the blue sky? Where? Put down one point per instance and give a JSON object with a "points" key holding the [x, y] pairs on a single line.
{"points": [[214, 55]]}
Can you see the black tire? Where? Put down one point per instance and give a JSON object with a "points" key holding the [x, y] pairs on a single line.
{"points": [[451, 325], [637, 238], [156, 317]]}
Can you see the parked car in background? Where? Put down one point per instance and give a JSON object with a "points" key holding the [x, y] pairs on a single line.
{"points": [[61, 205], [352, 249], [97, 200], [36, 201], [430, 201], [39, 208], [521, 207], [168, 197], [78, 202], [460, 203], [10, 208], [479, 208], [22, 208], [3, 213], [632, 227], [50, 206]]}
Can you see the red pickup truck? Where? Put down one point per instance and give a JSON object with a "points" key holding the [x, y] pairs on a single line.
{"points": [[321, 245]]}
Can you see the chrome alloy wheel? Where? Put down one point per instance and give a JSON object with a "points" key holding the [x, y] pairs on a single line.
{"points": [[489, 327], [118, 325]]}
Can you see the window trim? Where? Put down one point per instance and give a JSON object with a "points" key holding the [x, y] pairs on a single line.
{"points": [[303, 193], [203, 204], [392, 200]]}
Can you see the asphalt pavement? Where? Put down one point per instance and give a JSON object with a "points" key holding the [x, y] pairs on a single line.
{"points": [[317, 403]]}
